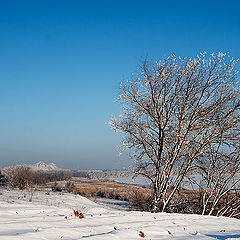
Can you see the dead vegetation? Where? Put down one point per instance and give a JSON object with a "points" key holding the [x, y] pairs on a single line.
{"points": [[140, 197], [110, 189], [78, 214], [137, 196]]}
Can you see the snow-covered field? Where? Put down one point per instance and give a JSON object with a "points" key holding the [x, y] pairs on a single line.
{"points": [[51, 217]]}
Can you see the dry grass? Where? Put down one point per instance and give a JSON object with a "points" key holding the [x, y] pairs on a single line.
{"points": [[184, 201], [106, 188]]}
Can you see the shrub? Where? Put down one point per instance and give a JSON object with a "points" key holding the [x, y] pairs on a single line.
{"points": [[69, 187], [140, 199]]}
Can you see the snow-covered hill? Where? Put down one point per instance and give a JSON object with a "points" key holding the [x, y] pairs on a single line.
{"points": [[50, 216], [41, 166]]}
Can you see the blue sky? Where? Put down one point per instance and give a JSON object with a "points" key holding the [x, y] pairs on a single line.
{"points": [[61, 63]]}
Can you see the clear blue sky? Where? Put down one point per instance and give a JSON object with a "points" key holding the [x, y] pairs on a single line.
{"points": [[61, 63]]}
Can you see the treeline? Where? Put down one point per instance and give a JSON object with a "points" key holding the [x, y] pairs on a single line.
{"points": [[23, 176], [97, 174]]}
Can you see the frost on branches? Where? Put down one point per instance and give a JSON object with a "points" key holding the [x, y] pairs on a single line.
{"points": [[178, 116]]}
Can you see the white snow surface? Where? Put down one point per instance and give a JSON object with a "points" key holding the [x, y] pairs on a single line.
{"points": [[41, 166], [44, 218]]}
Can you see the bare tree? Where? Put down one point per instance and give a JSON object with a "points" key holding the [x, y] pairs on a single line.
{"points": [[19, 176], [220, 170], [230, 206], [9, 175], [218, 173], [171, 114]]}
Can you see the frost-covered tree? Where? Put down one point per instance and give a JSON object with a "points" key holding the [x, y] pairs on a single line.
{"points": [[19, 176], [171, 115], [220, 169]]}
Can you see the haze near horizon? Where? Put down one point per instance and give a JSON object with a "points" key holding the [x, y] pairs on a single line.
{"points": [[62, 62]]}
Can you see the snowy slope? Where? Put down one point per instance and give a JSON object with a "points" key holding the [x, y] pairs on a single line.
{"points": [[44, 218], [41, 166]]}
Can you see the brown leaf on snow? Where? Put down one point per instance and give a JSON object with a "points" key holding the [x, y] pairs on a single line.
{"points": [[141, 234], [78, 214], [65, 217], [170, 233]]}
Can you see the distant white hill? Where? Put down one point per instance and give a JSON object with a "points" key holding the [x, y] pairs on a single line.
{"points": [[42, 166]]}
